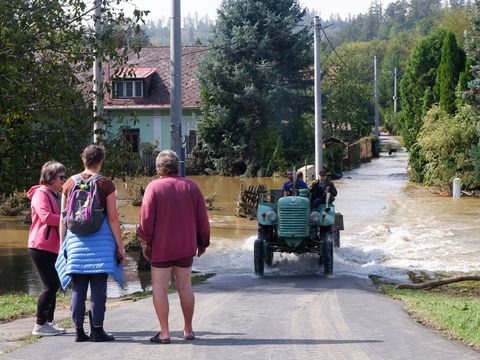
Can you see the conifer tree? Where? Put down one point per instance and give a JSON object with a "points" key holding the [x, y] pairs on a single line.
{"points": [[416, 86], [451, 63], [254, 85]]}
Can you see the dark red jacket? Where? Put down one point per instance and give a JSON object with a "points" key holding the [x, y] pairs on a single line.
{"points": [[173, 219]]}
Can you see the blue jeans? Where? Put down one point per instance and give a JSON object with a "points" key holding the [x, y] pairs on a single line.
{"points": [[98, 298]]}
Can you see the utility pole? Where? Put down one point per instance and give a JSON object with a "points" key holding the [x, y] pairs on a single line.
{"points": [[318, 99], [377, 119], [98, 75], [176, 85], [395, 93]]}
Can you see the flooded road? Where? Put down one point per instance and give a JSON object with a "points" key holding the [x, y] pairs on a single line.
{"points": [[391, 227]]}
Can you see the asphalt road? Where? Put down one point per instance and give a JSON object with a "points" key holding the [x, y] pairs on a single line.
{"points": [[275, 317]]}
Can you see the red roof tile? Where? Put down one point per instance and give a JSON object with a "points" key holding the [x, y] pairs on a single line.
{"points": [[137, 73], [158, 96]]}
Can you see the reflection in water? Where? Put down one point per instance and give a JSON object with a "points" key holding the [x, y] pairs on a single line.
{"points": [[391, 226]]}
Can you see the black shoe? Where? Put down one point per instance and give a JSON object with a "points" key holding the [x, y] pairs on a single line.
{"points": [[99, 335], [81, 336]]}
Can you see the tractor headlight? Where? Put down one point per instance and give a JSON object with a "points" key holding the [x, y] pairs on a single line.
{"points": [[272, 216], [315, 216]]}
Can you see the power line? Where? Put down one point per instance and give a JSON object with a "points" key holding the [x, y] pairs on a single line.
{"points": [[333, 48], [216, 48]]}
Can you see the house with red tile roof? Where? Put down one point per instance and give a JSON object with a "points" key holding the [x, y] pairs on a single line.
{"points": [[138, 103]]}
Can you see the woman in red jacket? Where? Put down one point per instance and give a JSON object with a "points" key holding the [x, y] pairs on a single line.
{"points": [[44, 242]]}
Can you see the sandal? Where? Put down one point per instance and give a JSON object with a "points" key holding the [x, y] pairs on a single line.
{"points": [[189, 336], [158, 340]]}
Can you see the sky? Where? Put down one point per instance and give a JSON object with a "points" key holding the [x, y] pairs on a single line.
{"points": [[162, 8]]}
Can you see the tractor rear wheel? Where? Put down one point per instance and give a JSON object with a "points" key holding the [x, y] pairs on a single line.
{"points": [[328, 252], [259, 256]]}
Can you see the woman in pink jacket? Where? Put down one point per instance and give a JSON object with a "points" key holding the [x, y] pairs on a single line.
{"points": [[44, 242]]}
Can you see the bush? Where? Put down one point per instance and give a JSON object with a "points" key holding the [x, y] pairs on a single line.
{"points": [[475, 155], [445, 144], [13, 205]]}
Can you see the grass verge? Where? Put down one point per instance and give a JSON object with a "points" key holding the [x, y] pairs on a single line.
{"points": [[19, 305], [453, 310]]}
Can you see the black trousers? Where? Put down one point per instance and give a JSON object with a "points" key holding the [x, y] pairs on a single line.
{"points": [[45, 263]]}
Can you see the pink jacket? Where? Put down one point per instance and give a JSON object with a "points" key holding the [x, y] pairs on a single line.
{"points": [[173, 219], [45, 220]]}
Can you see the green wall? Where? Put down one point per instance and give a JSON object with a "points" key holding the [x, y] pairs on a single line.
{"points": [[153, 124]]}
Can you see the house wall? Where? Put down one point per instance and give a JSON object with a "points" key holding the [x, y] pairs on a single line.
{"points": [[154, 125]]}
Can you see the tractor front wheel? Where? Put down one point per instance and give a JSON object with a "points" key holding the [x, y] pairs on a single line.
{"points": [[259, 256], [269, 257], [328, 252]]}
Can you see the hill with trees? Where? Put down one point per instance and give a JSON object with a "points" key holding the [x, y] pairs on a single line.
{"points": [[422, 40]]}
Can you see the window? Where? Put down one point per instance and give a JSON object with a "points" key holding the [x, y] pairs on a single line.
{"points": [[128, 88], [132, 136]]}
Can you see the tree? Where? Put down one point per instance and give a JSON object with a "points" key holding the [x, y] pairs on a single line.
{"points": [[372, 21], [46, 55], [472, 96], [347, 90], [394, 19], [422, 9], [255, 84], [397, 53], [416, 86], [451, 64]]}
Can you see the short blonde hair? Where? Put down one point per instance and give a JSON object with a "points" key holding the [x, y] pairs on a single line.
{"points": [[167, 163]]}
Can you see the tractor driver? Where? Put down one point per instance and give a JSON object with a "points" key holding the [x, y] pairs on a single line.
{"points": [[288, 185], [320, 188]]}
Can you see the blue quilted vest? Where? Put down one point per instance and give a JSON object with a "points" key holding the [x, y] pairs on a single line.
{"points": [[94, 253]]}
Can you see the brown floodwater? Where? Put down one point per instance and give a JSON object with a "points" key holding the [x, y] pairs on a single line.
{"points": [[391, 226], [17, 273]]}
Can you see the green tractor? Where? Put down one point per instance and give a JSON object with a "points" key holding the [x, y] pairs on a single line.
{"points": [[291, 224]]}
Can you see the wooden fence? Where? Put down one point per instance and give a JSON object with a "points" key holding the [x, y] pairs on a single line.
{"points": [[247, 201]]}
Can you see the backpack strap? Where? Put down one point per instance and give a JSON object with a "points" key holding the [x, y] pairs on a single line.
{"points": [[93, 179], [77, 178]]}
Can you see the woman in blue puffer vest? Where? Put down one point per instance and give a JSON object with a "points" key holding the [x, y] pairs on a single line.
{"points": [[88, 259]]}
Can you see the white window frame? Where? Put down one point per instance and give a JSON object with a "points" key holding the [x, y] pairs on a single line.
{"points": [[123, 83]]}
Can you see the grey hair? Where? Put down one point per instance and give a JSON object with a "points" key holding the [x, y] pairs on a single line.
{"points": [[49, 172], [167, 163]]}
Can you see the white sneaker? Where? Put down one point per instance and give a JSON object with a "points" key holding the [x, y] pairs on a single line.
{"points": [[58, 328], [44, 330]]}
